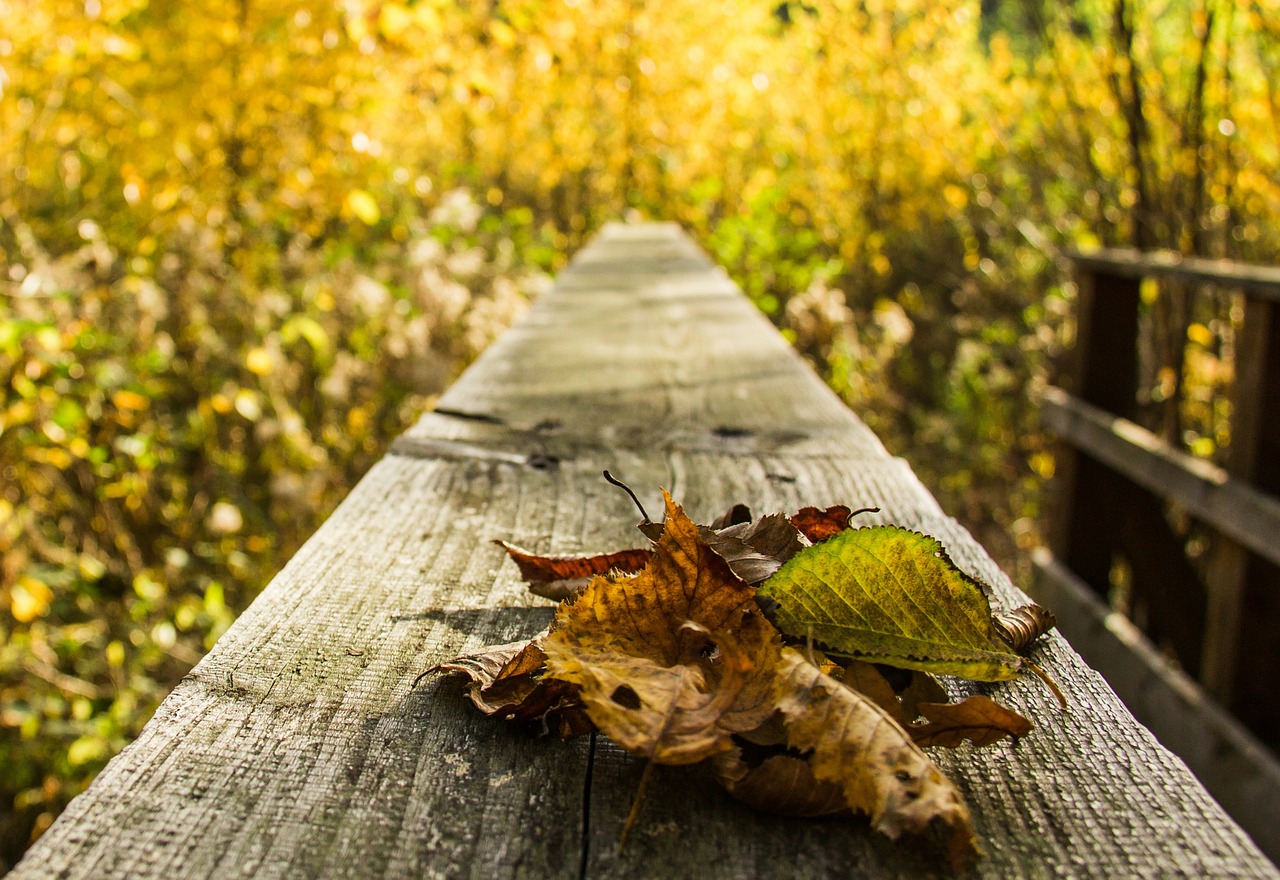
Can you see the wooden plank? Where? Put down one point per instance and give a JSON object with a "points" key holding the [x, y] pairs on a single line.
{"points": [[299, 749], [1232, 506], [1239, 771], [1258, 280]]}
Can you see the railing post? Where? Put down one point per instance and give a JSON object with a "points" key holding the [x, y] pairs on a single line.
{"points": [[1240, 649], [1104, 372], [1102, 514]]}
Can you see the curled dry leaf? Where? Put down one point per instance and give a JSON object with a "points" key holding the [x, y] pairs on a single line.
{"points": [[778, 783], [755, 550], [1024, 624], [857, 745], [978, 719], [509, 681], [818, 525], [670, 662], [559, 577]]}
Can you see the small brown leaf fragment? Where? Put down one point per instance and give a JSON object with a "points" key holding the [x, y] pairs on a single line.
{"points": [[755, 550], [739, 513], [509, 681], [781, 783], [864, 678], [978, 719], [483, 667], [857, 745], [923, 688], [818, 525], [672, 661], [559, 577]]}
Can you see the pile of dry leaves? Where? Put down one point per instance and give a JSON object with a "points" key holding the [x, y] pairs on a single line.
{"points": [[794, 653]]}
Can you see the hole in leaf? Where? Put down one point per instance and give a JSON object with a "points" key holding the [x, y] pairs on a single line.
{"points": [[626, 697]]}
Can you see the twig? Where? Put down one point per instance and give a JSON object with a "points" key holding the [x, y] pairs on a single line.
{"points": [[62, 681]]}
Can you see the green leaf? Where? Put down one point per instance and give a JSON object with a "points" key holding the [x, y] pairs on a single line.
{"points": [[304, 327], [893, 596]]}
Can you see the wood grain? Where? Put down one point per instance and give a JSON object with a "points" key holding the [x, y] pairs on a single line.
{"points": [[299, 747]]}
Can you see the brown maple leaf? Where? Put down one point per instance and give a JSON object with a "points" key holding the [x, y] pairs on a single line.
{"points": [[669, 662]]}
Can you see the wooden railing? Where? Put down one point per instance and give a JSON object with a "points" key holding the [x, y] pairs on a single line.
{"points": [[1193, 546], [300, 746]]}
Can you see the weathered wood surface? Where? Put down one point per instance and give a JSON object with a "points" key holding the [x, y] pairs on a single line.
{"points": [[299, 748], [1240, 772]]}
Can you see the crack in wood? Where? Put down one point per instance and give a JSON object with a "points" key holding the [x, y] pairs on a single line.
{"points": [[585, 855], [457, 450], [468, 416]]}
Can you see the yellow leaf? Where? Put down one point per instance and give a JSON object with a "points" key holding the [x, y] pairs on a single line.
{"points": [[858, 746], [29, 599], [394, 20], [259, 361], [86, 749], [503, 34], [1201, 335], [129, 400], [364, 206]]}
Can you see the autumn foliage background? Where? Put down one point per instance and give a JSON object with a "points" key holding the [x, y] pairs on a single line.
{"points": [[245, 243]]}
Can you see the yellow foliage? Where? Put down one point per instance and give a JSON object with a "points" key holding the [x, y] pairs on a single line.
{"points": [[28, 599], [364, 206]]}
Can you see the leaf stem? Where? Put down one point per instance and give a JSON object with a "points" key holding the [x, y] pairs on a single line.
{"points": [[635, 805], [610, 478], [1044, 676]]}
